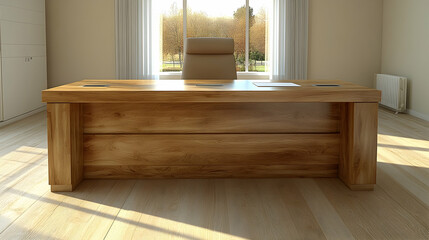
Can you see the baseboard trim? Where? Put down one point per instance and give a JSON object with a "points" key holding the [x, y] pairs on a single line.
{"points": [[22, 116], [418, 114]]}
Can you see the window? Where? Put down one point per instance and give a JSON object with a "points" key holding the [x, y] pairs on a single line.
{"points": [[246, 21]]}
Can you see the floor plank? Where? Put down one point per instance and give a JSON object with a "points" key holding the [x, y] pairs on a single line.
{"points": [[371, 215], [323, 210]]}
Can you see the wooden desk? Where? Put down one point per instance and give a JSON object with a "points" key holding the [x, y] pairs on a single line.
{"points": [[175, 129]]}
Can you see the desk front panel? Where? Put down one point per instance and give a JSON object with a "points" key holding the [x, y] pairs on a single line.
{"points": [[216, 155], [211, 118], [188, 140]]}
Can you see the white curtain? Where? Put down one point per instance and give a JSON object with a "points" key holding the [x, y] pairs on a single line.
{"points": [[290, 39], [137, 48]]}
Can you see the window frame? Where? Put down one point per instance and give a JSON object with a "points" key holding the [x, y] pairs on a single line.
{"points": [[240, 75]]}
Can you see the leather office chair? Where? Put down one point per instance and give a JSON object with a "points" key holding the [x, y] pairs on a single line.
{"points": [[209, 58]]}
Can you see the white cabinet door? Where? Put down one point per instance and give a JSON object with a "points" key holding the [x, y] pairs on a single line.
{"points": [[23, 56], [22, 85], [15, 33], [33, 5]]}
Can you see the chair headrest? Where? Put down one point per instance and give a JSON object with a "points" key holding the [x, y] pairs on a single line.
{"points": [[210, 45]]}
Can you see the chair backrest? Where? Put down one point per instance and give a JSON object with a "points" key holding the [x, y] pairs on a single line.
{"points": [[209, 58]]}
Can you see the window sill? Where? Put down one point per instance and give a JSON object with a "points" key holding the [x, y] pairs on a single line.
{"points": [[240, 75]]}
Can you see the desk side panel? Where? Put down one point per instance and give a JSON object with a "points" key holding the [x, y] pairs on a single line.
{"points": [[65, 146], [358, 154]]}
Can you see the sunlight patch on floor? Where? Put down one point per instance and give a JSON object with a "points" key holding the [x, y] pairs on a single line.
{"points": [[410, 157], [384, 138], [21, 160], [23, 152], [404, 148]]}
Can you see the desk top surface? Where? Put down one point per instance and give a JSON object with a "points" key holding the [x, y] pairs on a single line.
{"points": [[218, 91]]}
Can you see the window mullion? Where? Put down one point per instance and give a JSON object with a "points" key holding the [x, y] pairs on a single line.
{"points": [[247, 37], [185, 12]]}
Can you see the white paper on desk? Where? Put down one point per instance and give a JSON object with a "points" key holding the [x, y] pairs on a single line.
{"points": [[275, 84]]}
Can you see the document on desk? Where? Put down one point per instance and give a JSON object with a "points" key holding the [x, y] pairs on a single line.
{"points": [[275, 84]]}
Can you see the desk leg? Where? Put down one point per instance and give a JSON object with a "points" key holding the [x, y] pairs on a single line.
{"points": [[65, 149], [358, 154]]}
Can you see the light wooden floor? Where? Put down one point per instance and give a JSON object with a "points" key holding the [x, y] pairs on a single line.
{"points": [[217, 209]]}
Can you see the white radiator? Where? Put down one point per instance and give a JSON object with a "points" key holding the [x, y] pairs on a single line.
{"points": [[393, 91]]}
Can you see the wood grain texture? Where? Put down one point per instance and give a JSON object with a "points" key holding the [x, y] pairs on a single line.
{"points": [[364, 221], [208, 171], [65, 141], [134, 91], [322, 210], [211, 149], [212, 118], [358, 154]]}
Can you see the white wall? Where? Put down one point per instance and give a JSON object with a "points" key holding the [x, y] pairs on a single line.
{"points": [[80, 40], [345, 40], [405, 49]]}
